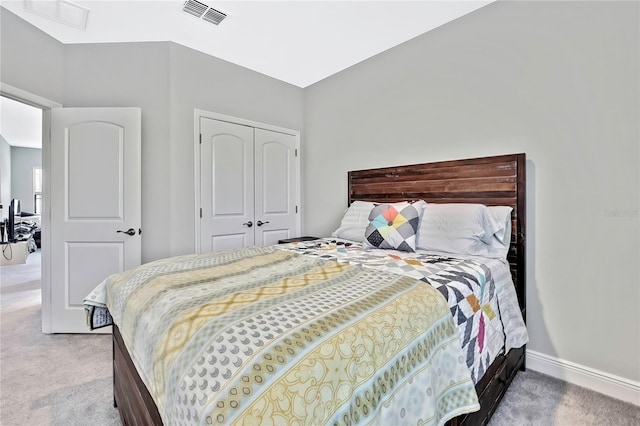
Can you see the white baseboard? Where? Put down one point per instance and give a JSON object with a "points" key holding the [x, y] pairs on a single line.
{"points": [[599, 381]]}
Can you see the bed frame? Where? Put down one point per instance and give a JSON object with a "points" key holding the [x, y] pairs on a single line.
{"points": [[496, 180]]}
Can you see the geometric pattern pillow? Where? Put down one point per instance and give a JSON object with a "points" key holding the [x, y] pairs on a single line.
{"points": [[393, 226]]}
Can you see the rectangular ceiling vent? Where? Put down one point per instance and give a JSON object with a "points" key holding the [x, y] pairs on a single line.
{"points": [[204, 12]]}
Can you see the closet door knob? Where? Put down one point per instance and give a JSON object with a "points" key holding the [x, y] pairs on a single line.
{"points": [[129, 231], [260, 223], [248, 224]]}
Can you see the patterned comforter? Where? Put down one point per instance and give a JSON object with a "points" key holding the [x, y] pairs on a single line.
{"points": [[263, 335], [479, 291]]}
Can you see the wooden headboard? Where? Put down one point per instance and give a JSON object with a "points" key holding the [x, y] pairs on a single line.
{"points": [[493, 181]]}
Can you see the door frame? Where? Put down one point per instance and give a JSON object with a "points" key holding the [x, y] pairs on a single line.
{"points": [[46, 105], [199, 114]]}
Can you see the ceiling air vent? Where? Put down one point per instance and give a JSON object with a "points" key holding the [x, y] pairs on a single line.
{"points": [[204, 12]]}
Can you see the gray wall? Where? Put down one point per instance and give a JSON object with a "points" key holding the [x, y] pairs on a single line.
{"points": [[168, 82], [200, 81], [23, 160], [132, 74], [556, 80], [5, 177], [30, 59]]}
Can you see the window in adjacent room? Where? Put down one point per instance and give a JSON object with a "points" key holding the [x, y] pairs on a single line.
{"points": [[37, 190]]}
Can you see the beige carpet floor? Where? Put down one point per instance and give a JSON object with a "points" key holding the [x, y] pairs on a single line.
{"points": [[48, 379], [66, 380]]}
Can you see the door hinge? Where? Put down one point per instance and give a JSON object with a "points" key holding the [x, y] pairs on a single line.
{"points": [[296, 151], [200, 212], [296, 209], [201, 138]]}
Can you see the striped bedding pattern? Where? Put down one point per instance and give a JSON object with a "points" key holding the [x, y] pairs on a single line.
{"points": [[263, 335]]}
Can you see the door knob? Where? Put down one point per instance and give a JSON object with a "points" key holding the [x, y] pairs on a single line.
{"points": [[129, 231], [248, 224], [260, 223]]}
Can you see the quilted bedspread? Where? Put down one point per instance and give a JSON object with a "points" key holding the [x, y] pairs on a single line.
{"points": [[479, 292], [263, 335]]}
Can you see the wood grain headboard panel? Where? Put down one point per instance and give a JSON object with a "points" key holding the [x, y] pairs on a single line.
{"points": [[493, 181]]}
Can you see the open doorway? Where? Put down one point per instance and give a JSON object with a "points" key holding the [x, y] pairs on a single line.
{"points": [[21, 203], [45, 106]]}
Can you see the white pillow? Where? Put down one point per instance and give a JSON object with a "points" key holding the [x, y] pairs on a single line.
{"points": [[503, 216], [354, 222], [499, 247], [457, 228]]}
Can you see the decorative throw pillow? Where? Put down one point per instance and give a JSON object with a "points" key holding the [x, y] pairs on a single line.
{"points": [[393, 226]]}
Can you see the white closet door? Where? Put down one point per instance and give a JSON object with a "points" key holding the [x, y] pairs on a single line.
{"points": [[276, 187], [226, 185]]}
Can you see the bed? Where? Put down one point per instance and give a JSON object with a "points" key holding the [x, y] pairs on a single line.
{"points": [[491, 181]]}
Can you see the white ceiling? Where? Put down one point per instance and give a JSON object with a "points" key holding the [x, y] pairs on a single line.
{"points": [[20, 124], [299, 42]]}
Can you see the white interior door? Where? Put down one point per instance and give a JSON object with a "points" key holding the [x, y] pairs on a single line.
{"points": [[95, 199], [275, 187], [226, 185]]}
